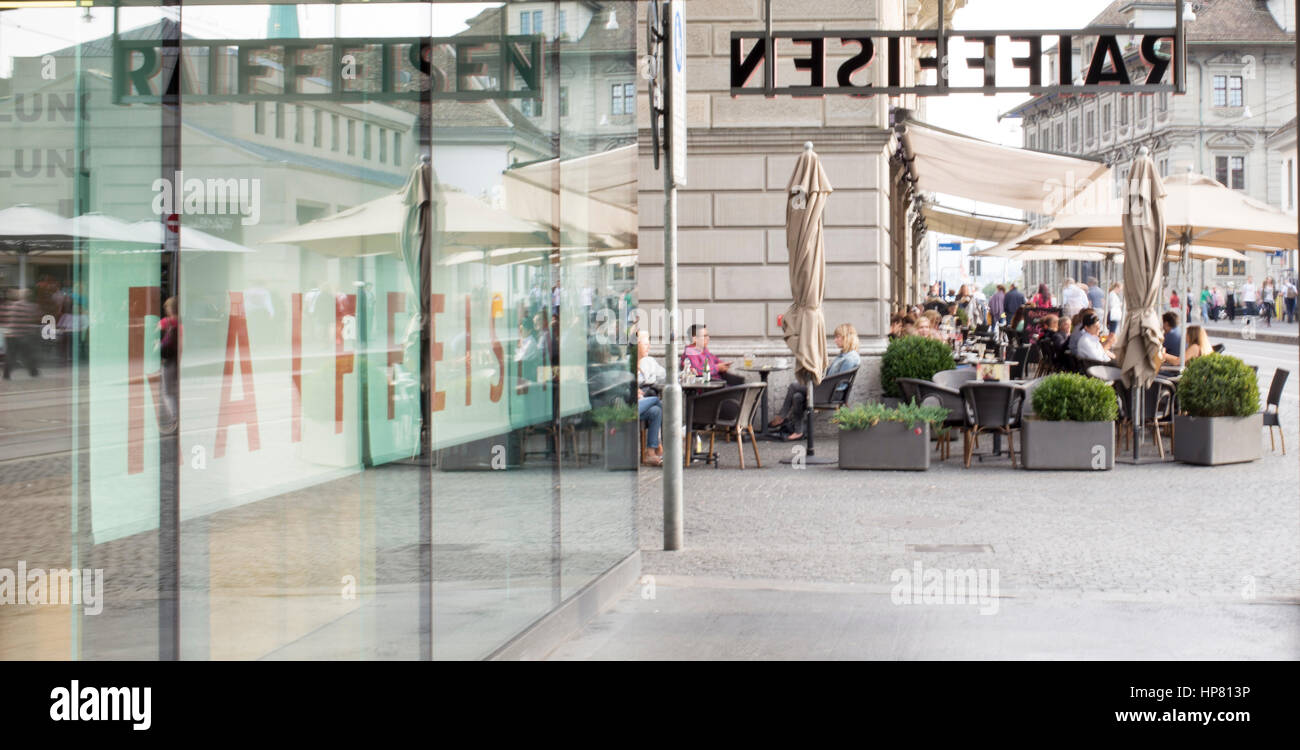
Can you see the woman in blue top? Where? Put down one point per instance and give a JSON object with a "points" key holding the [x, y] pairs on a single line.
{"points": [[796, 396]]}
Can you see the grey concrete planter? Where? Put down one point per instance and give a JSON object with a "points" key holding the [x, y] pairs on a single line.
{"points": [[1067, 446], [1211, 441], [622, 446], [888, 445]]}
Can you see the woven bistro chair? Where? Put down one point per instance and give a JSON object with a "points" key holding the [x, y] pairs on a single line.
{"points": [[729, 411], [991, 407]]}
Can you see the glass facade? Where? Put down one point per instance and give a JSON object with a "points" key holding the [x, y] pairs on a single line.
{"points": [[271, 395]]}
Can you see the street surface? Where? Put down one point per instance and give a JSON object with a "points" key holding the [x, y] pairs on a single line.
{"points": [[1165, 561]]}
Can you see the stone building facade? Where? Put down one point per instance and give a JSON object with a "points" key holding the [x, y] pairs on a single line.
{"points": [[1241, 89], [732, 260]]}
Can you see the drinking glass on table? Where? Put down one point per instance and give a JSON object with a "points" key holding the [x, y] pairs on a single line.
{"points": [[749, 359]]}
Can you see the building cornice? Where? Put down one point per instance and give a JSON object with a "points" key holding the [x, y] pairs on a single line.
{"points": [[825, 140]]}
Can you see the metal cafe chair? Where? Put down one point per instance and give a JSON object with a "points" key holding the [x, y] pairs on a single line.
{"points": [[909, 387], [1272, 415], [991, 407], [729, 411], [929, 393], [1157, 407], [954, 378]]}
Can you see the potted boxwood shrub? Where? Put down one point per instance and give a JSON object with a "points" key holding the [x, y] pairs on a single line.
{"points": [[912, 357], [622, 435], [876, 436], [1219, 420], [1073, 425]]}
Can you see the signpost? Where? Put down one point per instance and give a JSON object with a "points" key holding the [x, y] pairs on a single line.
{"points": [[666, 23]]}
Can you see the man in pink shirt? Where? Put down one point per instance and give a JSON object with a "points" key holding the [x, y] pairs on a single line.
{"points": [[699, 359]]}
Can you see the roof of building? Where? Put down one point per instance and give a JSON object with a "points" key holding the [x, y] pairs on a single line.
{"points": [[1216, 21], [1289, 127]]}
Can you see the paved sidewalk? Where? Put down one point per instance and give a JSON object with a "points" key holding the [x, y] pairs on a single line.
{"points": [[1153, 561]]}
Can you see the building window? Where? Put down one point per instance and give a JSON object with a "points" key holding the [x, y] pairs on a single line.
{"points": [[279, 119], [1162, 101], [1060, 136], [334, 132], [1106, 121], [1123, 112], [1142, 108], [1231, 171], [531, 107], [623, 99], [564, 101], [1090, 126], [1164, 167], [397, 148], [383, 145], [316, 135], [1033, 141], [259, 118], [299, 117], [1290, 184], [530, 22], [564, 24], [1227, 91], [365, 141], [352, 137], [1238, 268], [1074, 133]]}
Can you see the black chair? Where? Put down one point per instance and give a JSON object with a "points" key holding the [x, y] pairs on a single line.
{"points": [[729, 411], [954, 378], [950, 399], [833, 392], [1157, 407], [1085, 366], [1272, 414], [991, 407], [1047, 356], [909, 388]]}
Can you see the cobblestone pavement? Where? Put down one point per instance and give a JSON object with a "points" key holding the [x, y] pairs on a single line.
{"points": [[1151, 561]]}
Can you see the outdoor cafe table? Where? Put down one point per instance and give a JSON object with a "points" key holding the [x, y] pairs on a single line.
{"points": [[689, 392], [763, 372]]}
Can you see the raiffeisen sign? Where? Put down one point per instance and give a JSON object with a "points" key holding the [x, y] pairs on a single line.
{"points": [[290, 70], [1155, 53]]}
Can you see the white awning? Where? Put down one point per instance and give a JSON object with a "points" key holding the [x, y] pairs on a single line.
{"points": [[946, 221], [944, 162]]}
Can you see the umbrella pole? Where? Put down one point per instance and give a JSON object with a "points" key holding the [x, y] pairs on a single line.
{"points": [[1135, 419], [808, 427]]}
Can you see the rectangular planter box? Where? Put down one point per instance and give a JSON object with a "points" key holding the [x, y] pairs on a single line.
{"points": [[888, 446], [622, 446], [1067, 446], [1211, 441]]}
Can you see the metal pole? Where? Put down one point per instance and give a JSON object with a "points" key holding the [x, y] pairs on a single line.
{"points": [[672, 424]]}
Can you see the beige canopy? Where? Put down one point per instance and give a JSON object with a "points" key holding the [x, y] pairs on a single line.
{"points": [[803, 323], [595, 198], [946, 162], [375, 227], [1199, 211], [948, 221]]}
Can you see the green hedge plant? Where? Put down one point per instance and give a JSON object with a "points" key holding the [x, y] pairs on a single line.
{"points": [[1217, 385], [619, 411], [1067, 397], [912, 357], [864, 416]]}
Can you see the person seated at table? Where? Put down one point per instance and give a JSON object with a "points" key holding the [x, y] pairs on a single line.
{"points": [[928, 326], [896, 325], [1052, 332], [1076, 331], [1090, 346], [796, 396], [1173, 344], [1198, 343], [649, 374], [699, 359]]}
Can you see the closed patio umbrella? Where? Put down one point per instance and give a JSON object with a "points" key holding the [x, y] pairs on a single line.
{"points": [[803, 324], [1138, 339]]}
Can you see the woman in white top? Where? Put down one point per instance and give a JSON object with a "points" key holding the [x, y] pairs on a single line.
{"points": [[651, 411], [1089, 344], [1114, 307]]}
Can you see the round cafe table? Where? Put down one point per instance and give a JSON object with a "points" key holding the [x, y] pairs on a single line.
{"points": [[763, 372]]}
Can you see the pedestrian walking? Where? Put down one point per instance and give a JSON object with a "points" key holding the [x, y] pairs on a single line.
{"points": [[1290, 291], [1266, 301], [1230, 302], [1114, 307], [21, 320]]}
